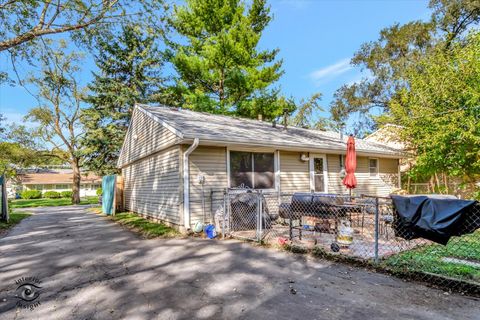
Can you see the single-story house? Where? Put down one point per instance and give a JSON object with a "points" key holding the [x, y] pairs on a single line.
{"points": [[168, 153], [58, 180]]}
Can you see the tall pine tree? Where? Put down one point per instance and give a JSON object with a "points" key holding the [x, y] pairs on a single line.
{"points": [[130, 72], [220, 68]]}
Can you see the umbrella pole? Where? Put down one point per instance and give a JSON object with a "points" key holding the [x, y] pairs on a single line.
{"points": [[350, 191]]}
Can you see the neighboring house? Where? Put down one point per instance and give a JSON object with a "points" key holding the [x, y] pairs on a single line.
{"points": [[389, 135], [57, 180], [167, 152]]}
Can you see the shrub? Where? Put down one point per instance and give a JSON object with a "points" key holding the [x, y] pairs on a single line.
{"points": [[31, 194], [66, 194], [51, 195], [99, 191]]}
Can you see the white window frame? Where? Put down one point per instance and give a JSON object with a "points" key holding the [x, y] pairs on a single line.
{"points": [[378, 168], [312, 156], [276, 166]]}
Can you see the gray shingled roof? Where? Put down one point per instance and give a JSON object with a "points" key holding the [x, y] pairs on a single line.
{"points": [[227, 130]]}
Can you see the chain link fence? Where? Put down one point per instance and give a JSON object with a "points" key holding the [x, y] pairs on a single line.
{"points": [[363, 229]]}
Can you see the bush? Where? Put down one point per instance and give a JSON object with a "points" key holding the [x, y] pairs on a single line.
{"points": [[99, 191], [31, 194], [66, 194], [51, 195]]}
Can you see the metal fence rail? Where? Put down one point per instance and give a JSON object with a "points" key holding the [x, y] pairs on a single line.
{"points": [[363, 228]]}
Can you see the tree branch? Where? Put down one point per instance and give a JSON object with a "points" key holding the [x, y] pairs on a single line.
{"points": [[39, 32]]}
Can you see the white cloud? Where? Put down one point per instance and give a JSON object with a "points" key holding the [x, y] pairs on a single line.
{"points": [[330, 71]]}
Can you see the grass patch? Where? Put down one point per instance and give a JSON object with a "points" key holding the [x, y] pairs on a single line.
{"points": [[429, 258], [146, 228], [15, 218], [28, 203]]}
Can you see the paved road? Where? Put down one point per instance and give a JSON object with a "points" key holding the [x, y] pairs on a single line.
{"points": [[91, 268]]}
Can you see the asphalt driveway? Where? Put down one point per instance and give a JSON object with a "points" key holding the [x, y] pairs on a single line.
{"points": [[91, 268]]}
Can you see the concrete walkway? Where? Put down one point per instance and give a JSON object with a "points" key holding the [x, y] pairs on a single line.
{"points": [[91, 268]]}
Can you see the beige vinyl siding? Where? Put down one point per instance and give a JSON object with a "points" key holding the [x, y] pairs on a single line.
{"points": [[144, 137], [212, 163], [294, 173], [388, 173], [152, 186], [334, 181], [382, 185]]}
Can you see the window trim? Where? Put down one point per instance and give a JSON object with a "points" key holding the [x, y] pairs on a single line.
{"points": [[311, 168], [276, 166], [378, 168]]}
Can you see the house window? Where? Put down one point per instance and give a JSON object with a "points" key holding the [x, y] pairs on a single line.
{"points": [[252, 170], [61, 186], [373, 167]]}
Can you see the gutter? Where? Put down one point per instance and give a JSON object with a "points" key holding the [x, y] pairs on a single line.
{"points": [[186, 183]]}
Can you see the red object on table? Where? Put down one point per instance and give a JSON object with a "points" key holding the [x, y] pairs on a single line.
{"points": [[350, 181]]}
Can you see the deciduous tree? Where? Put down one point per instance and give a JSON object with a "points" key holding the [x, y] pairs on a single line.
{"points": [[58, 116], [439, 111], [399, 48]]}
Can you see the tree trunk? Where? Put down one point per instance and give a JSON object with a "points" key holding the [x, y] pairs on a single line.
{"points": [[445, 182], [76, 182], [437, 183]]}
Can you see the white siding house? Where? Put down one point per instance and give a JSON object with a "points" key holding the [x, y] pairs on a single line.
{"points": [[168, 151]]}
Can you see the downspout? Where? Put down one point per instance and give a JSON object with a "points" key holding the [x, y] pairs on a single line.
{"points": [[186, 183]]}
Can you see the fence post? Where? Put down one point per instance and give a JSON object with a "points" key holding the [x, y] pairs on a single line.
{"points": [[259, 216], [377, 213], [224, 212]]}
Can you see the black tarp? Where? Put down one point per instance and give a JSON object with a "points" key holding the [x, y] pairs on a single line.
{"points": [[435, 218]]}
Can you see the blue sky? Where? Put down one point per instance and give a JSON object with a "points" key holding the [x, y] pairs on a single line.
{"points": [[316, 39]]}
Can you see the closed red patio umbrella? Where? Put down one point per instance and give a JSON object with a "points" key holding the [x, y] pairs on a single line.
{"points": [[350, 181]]}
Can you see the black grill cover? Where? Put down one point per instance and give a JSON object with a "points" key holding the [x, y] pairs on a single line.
{"points": [[435, 218]]}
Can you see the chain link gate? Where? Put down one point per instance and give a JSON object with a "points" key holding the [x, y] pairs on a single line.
{"points": [[249, 214]]}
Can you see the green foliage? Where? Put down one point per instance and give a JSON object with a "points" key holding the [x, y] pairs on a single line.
{"points": [[57, 118], [66, 194], [14, 155], [440, 110], [220, 69], [14, 218], [27, 203], [306, 115], [31, 194], [51, 195], [398, 49], [145, 227], [24, 22], [429, 258], [99, 192], [130, 66]]}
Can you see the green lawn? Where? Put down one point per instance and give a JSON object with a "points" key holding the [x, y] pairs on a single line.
{"points": [[146, 228], [15, 218], [429, 258], [25, 203]]}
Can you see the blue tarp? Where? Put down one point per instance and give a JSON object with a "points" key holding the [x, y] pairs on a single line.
{"points": [[108, 193]]}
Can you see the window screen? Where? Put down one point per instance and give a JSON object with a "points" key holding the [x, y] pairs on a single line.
{"points": [[252, 170]]}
